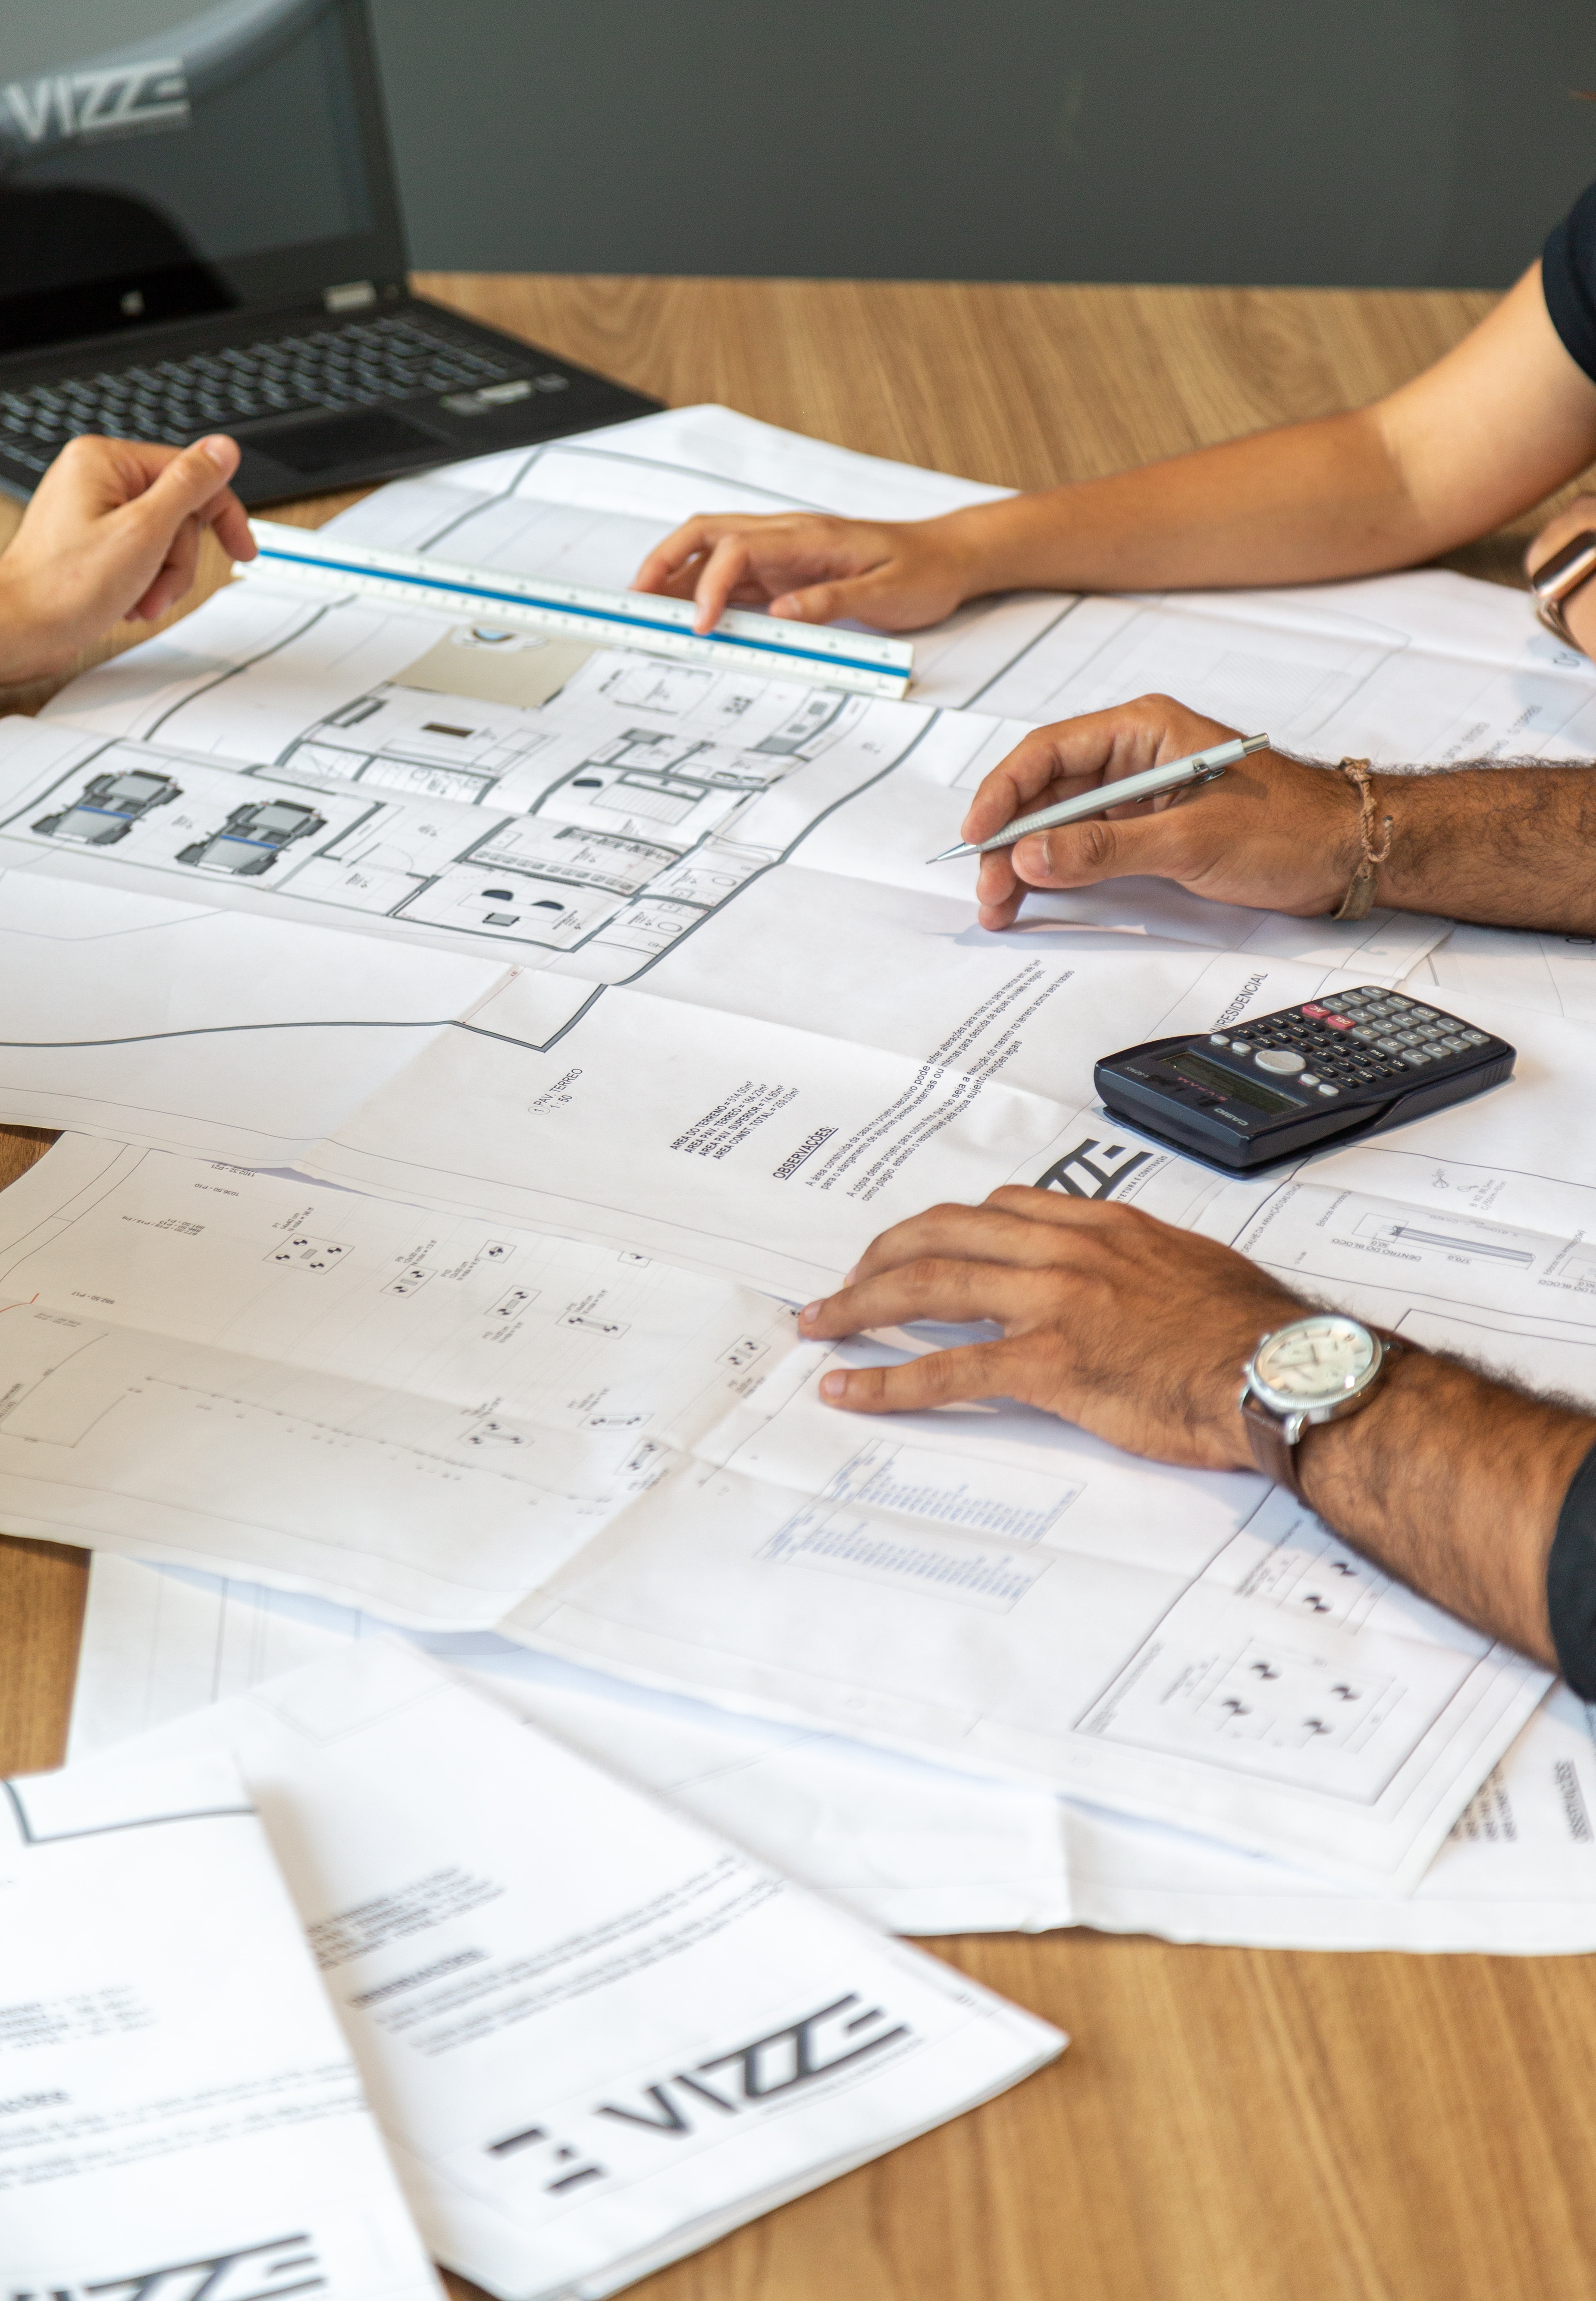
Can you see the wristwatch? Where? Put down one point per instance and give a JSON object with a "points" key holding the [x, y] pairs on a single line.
{"points": [[1316, 1370], [1557, 579]]}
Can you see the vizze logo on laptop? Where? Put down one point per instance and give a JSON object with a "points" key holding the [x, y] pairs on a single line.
{"points": [[140, 99]]}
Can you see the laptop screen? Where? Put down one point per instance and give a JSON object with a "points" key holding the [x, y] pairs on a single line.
{"points": [[161, 159]]}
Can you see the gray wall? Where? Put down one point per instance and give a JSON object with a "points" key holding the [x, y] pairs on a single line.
{"points": [[1366, 143]]}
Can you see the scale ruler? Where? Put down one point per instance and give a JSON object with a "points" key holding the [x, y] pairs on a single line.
{"points": [[858, 661]]}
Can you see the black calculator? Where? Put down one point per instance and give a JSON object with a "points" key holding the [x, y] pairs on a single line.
{"points": [[1340, 1065]]}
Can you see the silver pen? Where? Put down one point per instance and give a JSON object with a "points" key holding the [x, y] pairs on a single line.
{"points": [[1171, 776]]}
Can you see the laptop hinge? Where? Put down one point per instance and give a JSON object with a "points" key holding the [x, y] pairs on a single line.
{"points": [[353, 295]]}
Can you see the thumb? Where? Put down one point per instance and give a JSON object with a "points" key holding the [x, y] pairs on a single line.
{"points": [[871, 598], [1078, 854], [186, 486]]}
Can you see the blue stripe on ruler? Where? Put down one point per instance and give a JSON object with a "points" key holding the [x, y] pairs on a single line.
{"points": [[560, 607]]}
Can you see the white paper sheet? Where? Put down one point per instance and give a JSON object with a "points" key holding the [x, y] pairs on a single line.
{"points": [[419, 1415], [1515, 1876], [162, 1022], [596, 2036], [178, 2111], [916, 1848]]}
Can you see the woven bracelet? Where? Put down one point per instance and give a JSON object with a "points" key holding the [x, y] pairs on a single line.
{"points": [[1358, 898]]}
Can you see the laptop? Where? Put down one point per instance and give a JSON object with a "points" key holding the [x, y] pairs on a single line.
{"points": [[199, 231]]}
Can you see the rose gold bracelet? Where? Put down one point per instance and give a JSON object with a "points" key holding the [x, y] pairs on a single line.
{"points": [[1358, 898]]}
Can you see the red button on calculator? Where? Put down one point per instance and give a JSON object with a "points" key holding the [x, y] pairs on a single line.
{"points": [[1315, 1013]]}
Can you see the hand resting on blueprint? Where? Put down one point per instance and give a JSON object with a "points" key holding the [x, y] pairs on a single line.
{"points": [[1139, 1333], [810, 568], [114, 530], [1504, 846]]}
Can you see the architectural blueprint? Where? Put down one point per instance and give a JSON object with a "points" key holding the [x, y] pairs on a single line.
{"points": [[631, 1469], [1515, 1874], [415, 1415]]}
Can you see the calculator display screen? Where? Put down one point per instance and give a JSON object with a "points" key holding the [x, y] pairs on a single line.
{"points": [[1205, 1073]]}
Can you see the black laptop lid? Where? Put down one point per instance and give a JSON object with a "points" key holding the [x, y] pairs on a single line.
{"points": [[160, 160]]}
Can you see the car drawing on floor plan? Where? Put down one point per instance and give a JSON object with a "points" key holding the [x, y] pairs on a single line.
{"points": [[110, 806], [253, 837]]}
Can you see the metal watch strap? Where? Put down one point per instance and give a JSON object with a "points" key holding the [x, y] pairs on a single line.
{"points": [[1557, 578], [1273, 1452]]}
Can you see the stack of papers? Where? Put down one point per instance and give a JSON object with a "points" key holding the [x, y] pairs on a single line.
{"points": [[177, 2099], [596, 2036], [476, 1044]]}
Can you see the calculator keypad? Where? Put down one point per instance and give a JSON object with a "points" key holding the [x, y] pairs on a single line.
{"points": [[1354, 1039]]}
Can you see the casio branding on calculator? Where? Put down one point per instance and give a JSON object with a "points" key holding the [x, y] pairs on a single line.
{"points": [[1268, 1087]]}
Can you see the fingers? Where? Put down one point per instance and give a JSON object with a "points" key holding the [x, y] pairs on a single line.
{"points": [[710, 560], [187, 494], [1077, 754], [1080, 854], [724, 572], [881, 597], [1033, 771], [1017, 1225], [176, 575], [820, 603], [979, 1371], [998, 891], [663, 567], [949, 1292], [1164, 844], [192, 483]]}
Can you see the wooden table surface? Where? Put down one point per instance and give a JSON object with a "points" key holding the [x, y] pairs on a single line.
{"points": [[1228, 2125]]}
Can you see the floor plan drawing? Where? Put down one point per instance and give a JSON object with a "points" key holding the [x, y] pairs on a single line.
{"points": [[620, 811], [465, 1427]]}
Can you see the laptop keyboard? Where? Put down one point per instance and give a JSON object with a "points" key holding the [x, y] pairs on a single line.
{"points": [[360, 365]]}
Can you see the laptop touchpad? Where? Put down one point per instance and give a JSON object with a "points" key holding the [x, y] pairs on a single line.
{"points": [[324, 443]]}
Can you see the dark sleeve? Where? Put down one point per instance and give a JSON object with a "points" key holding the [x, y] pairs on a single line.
{"points": [[1571, 1582], [1568, 277]]}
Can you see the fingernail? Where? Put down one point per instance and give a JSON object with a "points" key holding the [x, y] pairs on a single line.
{"points": [[851, 1275], [219, 449], [808, 1314], [833, 1385]]}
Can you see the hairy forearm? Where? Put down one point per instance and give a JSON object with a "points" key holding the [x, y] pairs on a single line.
{"points": [[1307, 503], [1452, 1483], [1505, 846]]}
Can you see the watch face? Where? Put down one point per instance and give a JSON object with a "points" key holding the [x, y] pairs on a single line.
{"points": [[1315, 1361]]}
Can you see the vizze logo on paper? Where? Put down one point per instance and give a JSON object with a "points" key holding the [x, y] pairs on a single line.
{"points": [[676, 2104], [140, 99], [252, 2272], [1093, 1169]]}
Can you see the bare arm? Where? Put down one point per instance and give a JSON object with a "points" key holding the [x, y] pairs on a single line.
{"points": [[1506, 846], [1491, 429], [1139, 1333]]}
